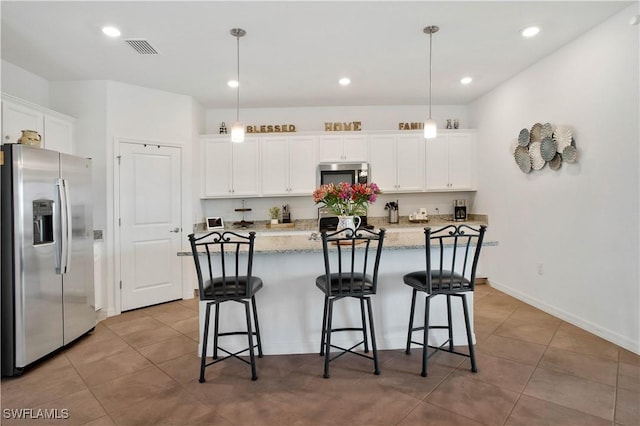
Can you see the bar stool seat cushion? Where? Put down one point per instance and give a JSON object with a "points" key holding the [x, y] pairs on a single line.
{"points": [[344, 285], [234, 287], [441, 281]]}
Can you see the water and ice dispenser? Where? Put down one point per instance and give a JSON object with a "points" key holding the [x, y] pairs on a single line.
{"points": [[42, 222]]}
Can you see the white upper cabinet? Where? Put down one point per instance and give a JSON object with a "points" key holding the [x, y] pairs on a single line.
{"points": [[450, 161], [342, 148], [229, 169], [58, 134], [410, 162], [397, 162], [55, 129], [288, 165], [16, 118]]}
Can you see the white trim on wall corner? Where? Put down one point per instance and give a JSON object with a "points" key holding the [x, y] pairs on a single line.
{"points": [[609, 335]]}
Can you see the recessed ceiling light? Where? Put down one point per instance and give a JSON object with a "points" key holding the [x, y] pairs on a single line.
{"points": [[344, 81], [233, 83], [530, 32], [466, 80], [111, 31]]}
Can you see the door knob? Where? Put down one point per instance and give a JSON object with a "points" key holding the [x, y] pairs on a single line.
{"points": [[176, 230]]}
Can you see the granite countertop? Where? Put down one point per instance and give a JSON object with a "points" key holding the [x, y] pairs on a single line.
{"points": [[311, 225], [304, 237]]}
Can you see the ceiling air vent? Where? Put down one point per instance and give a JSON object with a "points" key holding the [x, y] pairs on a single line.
{"points": [[142, 47]]}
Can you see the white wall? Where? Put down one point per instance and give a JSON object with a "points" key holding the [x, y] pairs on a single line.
{"points": [[581, 222], [313, 118], [19, 82], [138, 113], [87, 102], [108, 111]]}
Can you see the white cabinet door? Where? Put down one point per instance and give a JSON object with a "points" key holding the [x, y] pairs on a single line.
{"points": [[397, 162], [382, 160], [58, 134], [437, 162], [302, 165], [451, 162], [275, 166], [229, 169], [216, 168], [461, 162], [343, 148], [16, 118], [330, 149], [288, 165], [245, 167], [410, 162], [355, 148]]}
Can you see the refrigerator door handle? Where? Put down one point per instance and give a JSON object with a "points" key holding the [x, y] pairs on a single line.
{"points": [[58, 232], [65, 221]]}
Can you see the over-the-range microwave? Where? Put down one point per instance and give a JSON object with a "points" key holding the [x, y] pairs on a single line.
{"points": [[343, 172]]}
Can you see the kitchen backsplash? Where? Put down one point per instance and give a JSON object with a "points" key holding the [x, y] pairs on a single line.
{"points": [[304, 208]]}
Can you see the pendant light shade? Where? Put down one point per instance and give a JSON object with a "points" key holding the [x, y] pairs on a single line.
{"points": [[237, 129], [237, 132], [430, 126]]}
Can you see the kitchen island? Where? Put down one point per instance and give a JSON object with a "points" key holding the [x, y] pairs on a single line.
{"points": [[290, 307]]}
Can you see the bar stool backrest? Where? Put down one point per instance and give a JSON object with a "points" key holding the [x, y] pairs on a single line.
{"points": [[452, 254], [351, 260], [227, 260]]}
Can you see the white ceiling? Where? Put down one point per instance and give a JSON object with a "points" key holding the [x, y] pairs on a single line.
{"points": [[295, 52]]}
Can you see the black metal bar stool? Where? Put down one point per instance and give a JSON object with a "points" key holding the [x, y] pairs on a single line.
{"points": [[228, 261], [453, 274], [351, 260]]}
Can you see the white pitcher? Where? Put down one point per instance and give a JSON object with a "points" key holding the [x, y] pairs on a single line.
{"points": [[352, 222]]}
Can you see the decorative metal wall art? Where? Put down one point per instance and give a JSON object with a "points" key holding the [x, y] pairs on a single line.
{"points": [[542, 145]]}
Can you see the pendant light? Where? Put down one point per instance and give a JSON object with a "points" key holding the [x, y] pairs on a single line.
{"points": [[237, 130], [430, 126]]}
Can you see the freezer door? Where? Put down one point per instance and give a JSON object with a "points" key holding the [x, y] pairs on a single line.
{"points": [[37, 289], [78, 287]]}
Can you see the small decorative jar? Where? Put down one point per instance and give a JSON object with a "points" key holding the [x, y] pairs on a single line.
{"points": [[31, 138]]}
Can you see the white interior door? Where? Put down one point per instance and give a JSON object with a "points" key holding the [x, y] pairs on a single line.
{"points": [[150, 204]]}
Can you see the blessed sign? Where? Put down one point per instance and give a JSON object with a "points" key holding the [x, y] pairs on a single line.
{"points": [[272, 128]]}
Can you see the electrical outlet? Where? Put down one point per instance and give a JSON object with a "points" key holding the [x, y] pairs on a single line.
{"points": [[540, 269]]}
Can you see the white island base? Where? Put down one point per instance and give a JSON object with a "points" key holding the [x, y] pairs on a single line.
{"points": [[290, 307]]}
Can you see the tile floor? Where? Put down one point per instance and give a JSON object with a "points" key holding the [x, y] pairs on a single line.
{"points": [[141, 368]]}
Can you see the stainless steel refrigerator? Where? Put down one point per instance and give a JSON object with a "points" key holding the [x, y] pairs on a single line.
{"points": [[46, 253]]}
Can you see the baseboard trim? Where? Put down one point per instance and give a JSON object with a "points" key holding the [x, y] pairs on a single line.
{"points": [[609, 335]]}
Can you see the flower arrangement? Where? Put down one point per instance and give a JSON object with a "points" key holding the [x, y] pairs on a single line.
{"points": [[345, 199]]}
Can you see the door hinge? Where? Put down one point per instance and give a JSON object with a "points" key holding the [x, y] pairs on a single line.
{"points": [[119, 221], [120, 285], [119, 157]]}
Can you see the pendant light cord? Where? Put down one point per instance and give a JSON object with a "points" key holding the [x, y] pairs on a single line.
{"points": [[238, 78], [430, 52]]}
